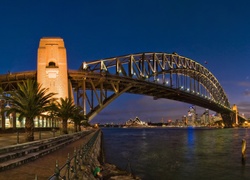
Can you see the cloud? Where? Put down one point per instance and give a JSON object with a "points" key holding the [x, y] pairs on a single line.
{"points": [[243, 108], [246, 92], [239, 91], [243, 84]]}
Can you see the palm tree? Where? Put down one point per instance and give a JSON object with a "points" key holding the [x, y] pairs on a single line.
{"points": [[29, 100], [65, 110], [78, 117], [52, 113]]}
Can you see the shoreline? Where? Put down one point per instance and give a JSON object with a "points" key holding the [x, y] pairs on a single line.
{"points": [[111, 171]]}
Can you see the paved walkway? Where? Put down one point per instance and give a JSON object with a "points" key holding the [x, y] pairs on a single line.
{"points": [[7, 139], [43, 167]]}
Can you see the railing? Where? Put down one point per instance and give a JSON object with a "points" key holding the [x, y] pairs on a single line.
{"points": [[75, 164]]}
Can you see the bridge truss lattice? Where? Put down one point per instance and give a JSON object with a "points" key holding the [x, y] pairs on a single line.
{"points": [[159, 75]]}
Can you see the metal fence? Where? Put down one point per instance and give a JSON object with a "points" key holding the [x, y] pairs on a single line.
{"points": [[70, 170]]}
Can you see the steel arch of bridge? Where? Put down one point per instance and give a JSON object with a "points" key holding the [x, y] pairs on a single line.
{"points": [[160, 75]]}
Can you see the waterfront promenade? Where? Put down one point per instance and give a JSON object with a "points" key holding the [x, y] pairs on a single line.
{"points": [[44, 167]]}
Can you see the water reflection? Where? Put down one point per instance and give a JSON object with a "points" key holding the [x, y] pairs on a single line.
{"points": [[179, 153]]}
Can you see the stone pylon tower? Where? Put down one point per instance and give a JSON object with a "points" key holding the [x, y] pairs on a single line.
{"points": [[52, 70], [235, 109]]}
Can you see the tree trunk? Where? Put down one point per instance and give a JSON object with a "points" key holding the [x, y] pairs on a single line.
{"points": [[65, 126], [75, 127], [29, 129]]}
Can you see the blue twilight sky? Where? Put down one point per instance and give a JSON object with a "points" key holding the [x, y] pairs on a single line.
{"points": [[217, 32]]}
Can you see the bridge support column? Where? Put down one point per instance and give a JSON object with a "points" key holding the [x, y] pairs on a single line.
{"points": [[227, 119], [84, 97], [2, 115]]}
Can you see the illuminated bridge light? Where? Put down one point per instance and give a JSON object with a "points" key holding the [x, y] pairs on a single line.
{"points": [[156, 80], [165, 82], [84, 65], [188, 89]]}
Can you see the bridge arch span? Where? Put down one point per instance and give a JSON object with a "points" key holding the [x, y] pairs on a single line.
{"points": [[160, 75], [97, 83]]}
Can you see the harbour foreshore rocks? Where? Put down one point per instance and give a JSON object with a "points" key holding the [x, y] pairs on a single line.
{"points": [[110, 171]]}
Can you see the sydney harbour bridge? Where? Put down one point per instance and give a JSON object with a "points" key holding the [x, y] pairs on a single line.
{"points": [[160, 75]]}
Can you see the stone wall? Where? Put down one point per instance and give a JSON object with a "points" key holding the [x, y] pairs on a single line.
{"points": [[95, 158]]}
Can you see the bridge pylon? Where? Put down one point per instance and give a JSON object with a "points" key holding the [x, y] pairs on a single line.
{"points": [[227, 119], [235, 116], [52, 70]]}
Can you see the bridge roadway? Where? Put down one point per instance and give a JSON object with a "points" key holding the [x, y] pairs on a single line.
{"points": [[121, 84], [134, 86]]}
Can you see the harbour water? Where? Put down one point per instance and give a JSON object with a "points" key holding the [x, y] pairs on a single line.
{"points": [[179, 153]]}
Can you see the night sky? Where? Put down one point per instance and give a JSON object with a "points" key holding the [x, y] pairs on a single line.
{"points": [[216, 32]]}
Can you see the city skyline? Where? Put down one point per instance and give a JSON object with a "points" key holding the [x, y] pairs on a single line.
{"points": [[215, 34]]}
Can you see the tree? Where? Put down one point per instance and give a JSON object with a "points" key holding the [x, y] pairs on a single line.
{"points": [[78, 117], [29, 100], [52, 113], [65, 109]]}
